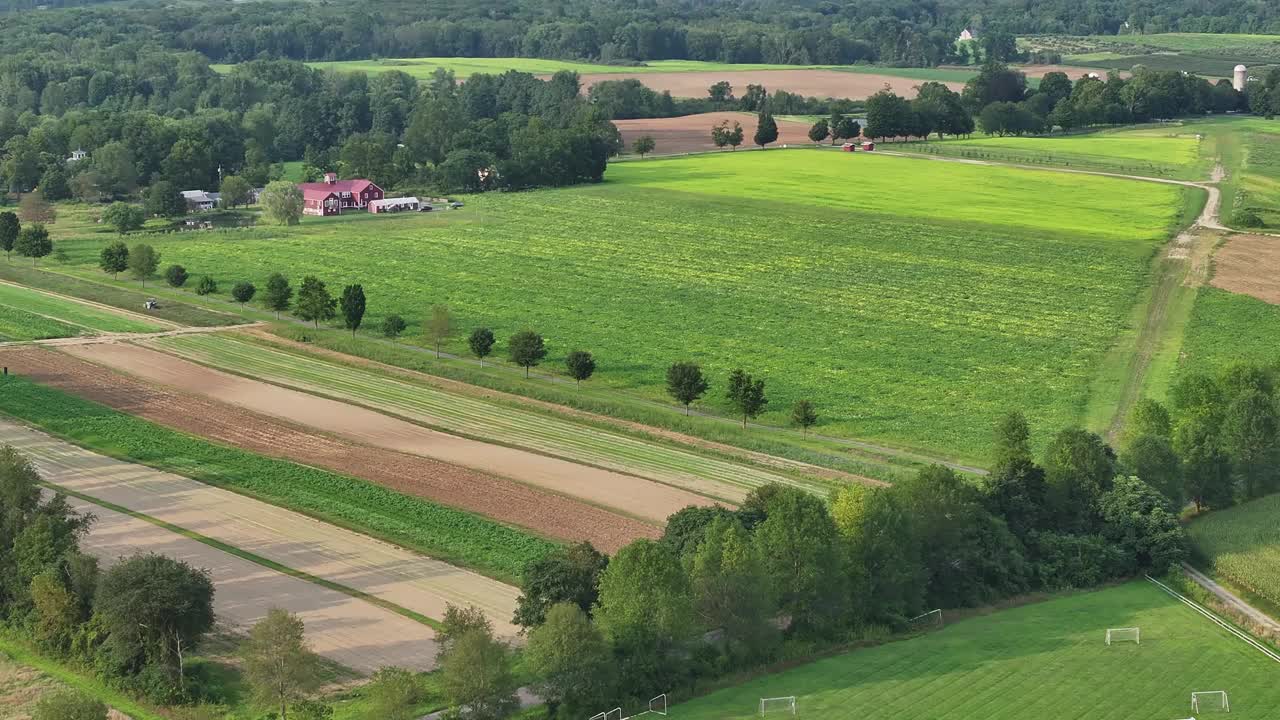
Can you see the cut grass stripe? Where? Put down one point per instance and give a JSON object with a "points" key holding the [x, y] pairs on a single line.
{"points": [[256, 559]]}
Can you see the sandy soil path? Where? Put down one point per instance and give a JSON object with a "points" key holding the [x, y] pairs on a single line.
{"points": [[629, 494], [398, 576], [1233, 601], [546, 513], [344, 629]]}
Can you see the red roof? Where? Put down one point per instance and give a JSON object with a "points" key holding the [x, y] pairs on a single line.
{"points": [[315, 193], [351, 186]]}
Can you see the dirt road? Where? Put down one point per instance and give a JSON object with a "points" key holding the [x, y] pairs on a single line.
{"points": [[546, 513], [626, 493], [293, 540], [351, 632], [1231, 600]]}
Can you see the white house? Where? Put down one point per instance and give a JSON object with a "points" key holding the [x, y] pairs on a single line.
{"points": [[965, 36], [77, 155], [399, 204], [199, 200]]}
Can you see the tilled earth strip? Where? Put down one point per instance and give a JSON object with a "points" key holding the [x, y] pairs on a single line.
{"points": [[503, 500]]}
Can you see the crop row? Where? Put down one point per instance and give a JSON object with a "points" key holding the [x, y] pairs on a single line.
{"points": [[474, 417], [71, 312], [450, 535], [1243, 544], [18, 324]]}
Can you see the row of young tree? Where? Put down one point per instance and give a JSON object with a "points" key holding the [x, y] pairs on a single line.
{"points": [[31, 240], [788, 573]]}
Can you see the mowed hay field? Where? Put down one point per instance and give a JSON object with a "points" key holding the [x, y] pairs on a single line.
{"points": [[27, 314], [1174, 153], [913, 301], [1046, 661], [1242, 545]]}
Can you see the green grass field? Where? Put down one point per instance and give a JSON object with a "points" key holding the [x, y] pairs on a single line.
{"points": [[913, 301], [1210, 54], [414, 523], [1242, 545], [1155, 152], [74, 318], [423, 68], [476, 417], [1046, 661]]}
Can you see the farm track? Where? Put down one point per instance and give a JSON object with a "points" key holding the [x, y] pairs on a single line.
{"points": [[344, 629], [1233, 601], [122, 337], [293, 540], [625, 494], [518, 505]]}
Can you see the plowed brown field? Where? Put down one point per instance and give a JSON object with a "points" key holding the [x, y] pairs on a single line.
{"points": [[503, 500], [692, 133], [816, 83], [1249, 265]]}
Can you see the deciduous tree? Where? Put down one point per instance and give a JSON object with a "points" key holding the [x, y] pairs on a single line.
{"points": [[282, 202], [234, 191], [804, 414], [165, 201], [123, 217], [581, 365], [352, 305], [393, 326], [732, 593], [114, 258], [686, 383], [476, 672], [176, 276], [314, 301], [143, 261], [526, 349], [567, 574], [206, 286], [278, 666], [438, 326], [393, 694], [33, 242], [766, 129], [643, 145], [819, 131], [797, 544], [279, 293], [32, 208], [573, 664], [243, 291], [481, 343], [9, 229], [746, 394]]}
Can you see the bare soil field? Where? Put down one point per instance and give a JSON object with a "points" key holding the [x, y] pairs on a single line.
{"points": [[1249, 265], [291, 539], [349, 631], [544, 512], [628, 494], [692, 133], [816, 83]]}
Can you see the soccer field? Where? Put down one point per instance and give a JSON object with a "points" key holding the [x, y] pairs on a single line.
{"points": [[1046, 661], [913, 301]]}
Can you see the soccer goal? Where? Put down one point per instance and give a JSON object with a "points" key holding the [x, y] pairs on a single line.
{"points": [[1130, 634], [933, 618], [1210, 700], [609, 715], [778, 705], [658, 705]]}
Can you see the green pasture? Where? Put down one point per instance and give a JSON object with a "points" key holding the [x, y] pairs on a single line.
{"points": [[1046, 661], [1173, 152], [913, 301], [84, 318], [1242, 545], [411, 522], [479, 418], [1227, 328]]}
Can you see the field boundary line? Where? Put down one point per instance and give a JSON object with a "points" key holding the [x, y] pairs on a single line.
{"points": [[246, 555], [1218, 621]]}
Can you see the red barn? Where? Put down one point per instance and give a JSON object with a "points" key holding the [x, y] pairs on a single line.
{"points": [[334, 196]]}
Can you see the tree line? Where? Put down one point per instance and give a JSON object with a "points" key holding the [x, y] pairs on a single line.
{"points": [[170, 124]]}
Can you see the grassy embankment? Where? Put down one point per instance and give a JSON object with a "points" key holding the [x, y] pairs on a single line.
{"points": [[909, 321], [1046, 660], [450, 535]]}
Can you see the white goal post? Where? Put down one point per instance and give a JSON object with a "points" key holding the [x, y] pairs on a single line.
{"points": [[778, 704], [1129, 634], [931, 618], [1210, 700], [608, 714], [658, 705]]}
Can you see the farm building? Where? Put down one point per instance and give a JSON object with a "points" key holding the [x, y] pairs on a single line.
{"points": [[400, 204], [333, 196], [966, 35], [199, 200]]}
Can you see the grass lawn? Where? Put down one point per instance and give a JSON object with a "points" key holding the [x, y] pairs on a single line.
{"points": [[1046, 661], [1156, 152], [913, 301], [1242, 545]]}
